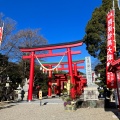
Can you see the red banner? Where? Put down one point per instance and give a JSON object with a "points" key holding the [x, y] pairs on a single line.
{"points": [[118, 84], [111, 46], [1, 34]]}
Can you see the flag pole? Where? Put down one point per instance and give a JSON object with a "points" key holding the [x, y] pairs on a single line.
{"points": [[114, 23], [113, 5], [118, 96], [118, 4]]}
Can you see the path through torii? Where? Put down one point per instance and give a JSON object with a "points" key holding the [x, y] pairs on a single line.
{"points": [[61, 78]]}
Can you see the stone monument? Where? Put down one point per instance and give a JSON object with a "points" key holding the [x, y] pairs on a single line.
{"points": [[91, 91], [25, 88]]}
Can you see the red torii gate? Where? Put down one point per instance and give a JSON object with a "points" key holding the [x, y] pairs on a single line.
{"points": [[62, 64], [49, 48]]}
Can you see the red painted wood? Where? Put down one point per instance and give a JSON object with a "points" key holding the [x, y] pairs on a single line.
{"points": [[50, 82], [62, 63], [72, 81], [30, 91], [50, 55], [51, 47]]}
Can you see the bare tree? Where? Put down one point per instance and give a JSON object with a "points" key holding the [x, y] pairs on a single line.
{"points": [[25, 38], [8, 31], [13, 38]]}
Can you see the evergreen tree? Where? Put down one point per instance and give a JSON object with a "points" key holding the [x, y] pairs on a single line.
{"points": [[96, 34]]}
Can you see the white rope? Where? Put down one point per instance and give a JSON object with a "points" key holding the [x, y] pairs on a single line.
{"points": [[52, 68]]}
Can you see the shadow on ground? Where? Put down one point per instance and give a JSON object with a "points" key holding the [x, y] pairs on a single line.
{"points": [[111, 106], [103, 103], [9, 104], [6, 106]]}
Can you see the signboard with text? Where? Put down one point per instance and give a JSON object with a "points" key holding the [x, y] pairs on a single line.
{"points": [[88, 70]]}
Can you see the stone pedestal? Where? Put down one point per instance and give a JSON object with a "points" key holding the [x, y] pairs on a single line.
{"points": [[92, 104], [90, 93], [90, 97]]}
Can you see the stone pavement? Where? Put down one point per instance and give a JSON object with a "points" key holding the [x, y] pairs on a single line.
{"points": [[55, 100], [53, 109]]}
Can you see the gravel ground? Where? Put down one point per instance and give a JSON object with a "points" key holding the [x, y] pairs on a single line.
{"points": [[33, 111]]}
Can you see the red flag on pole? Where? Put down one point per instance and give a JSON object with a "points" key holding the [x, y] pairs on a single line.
{"points": [[111, 48], [1, 34]]}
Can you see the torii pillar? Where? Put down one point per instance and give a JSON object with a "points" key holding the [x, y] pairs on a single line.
{"points": [[50, 82], [30, 90], [72, 81], [75, 73]]}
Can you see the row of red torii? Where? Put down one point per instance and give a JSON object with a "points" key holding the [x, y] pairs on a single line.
{"points": [[72, 74], [60, 79]]}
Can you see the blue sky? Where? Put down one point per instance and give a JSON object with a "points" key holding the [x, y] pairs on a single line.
{"points": [[59, 20]]}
